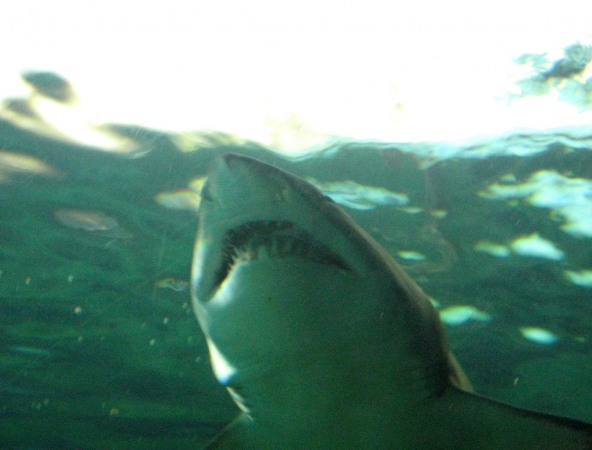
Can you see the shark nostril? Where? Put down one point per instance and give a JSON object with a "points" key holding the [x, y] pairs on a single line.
{"points": [[206, 193]]}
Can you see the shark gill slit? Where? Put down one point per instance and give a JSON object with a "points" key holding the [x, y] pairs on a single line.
{"points": [[272, 239]]}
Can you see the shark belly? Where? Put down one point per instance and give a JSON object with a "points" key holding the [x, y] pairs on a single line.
{"points": [[322, 340]]}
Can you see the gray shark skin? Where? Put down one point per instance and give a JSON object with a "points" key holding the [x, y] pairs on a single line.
{"points": [[321, 338]]}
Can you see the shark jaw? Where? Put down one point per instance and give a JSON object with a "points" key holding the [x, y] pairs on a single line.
{"points": [[249, 210], [322, 339]]}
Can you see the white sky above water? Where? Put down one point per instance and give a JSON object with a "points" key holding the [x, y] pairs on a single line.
{"points": [[278, 72]]}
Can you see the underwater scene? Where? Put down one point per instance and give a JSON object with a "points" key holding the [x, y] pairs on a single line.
{"points": [[99, 343]]}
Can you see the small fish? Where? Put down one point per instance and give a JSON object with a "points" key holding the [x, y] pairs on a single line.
{"points": [[459, 314], [91, 221], [183, 199], [30, 351], [580, 277], [535, 246], [538, 335], [356, 196], [13, 163], [411, 255], [51, 85], [171, 283]]}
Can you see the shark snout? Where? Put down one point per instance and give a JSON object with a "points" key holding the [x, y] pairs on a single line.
{"points": [[236, 181]]}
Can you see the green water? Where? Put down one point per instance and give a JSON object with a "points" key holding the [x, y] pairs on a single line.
{"points": [[95, 355]]}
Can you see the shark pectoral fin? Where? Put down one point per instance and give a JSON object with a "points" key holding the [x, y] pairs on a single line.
{"points": [[461, 417], [238, 435], [457, 375]]}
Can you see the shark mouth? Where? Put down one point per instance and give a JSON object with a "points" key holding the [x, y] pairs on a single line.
{"points": [[272, 239]]}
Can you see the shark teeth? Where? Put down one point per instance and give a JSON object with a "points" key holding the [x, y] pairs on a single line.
{"points": [[264, 239]]}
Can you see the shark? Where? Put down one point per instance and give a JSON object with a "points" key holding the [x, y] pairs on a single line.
{"points": [[321, 338]]}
